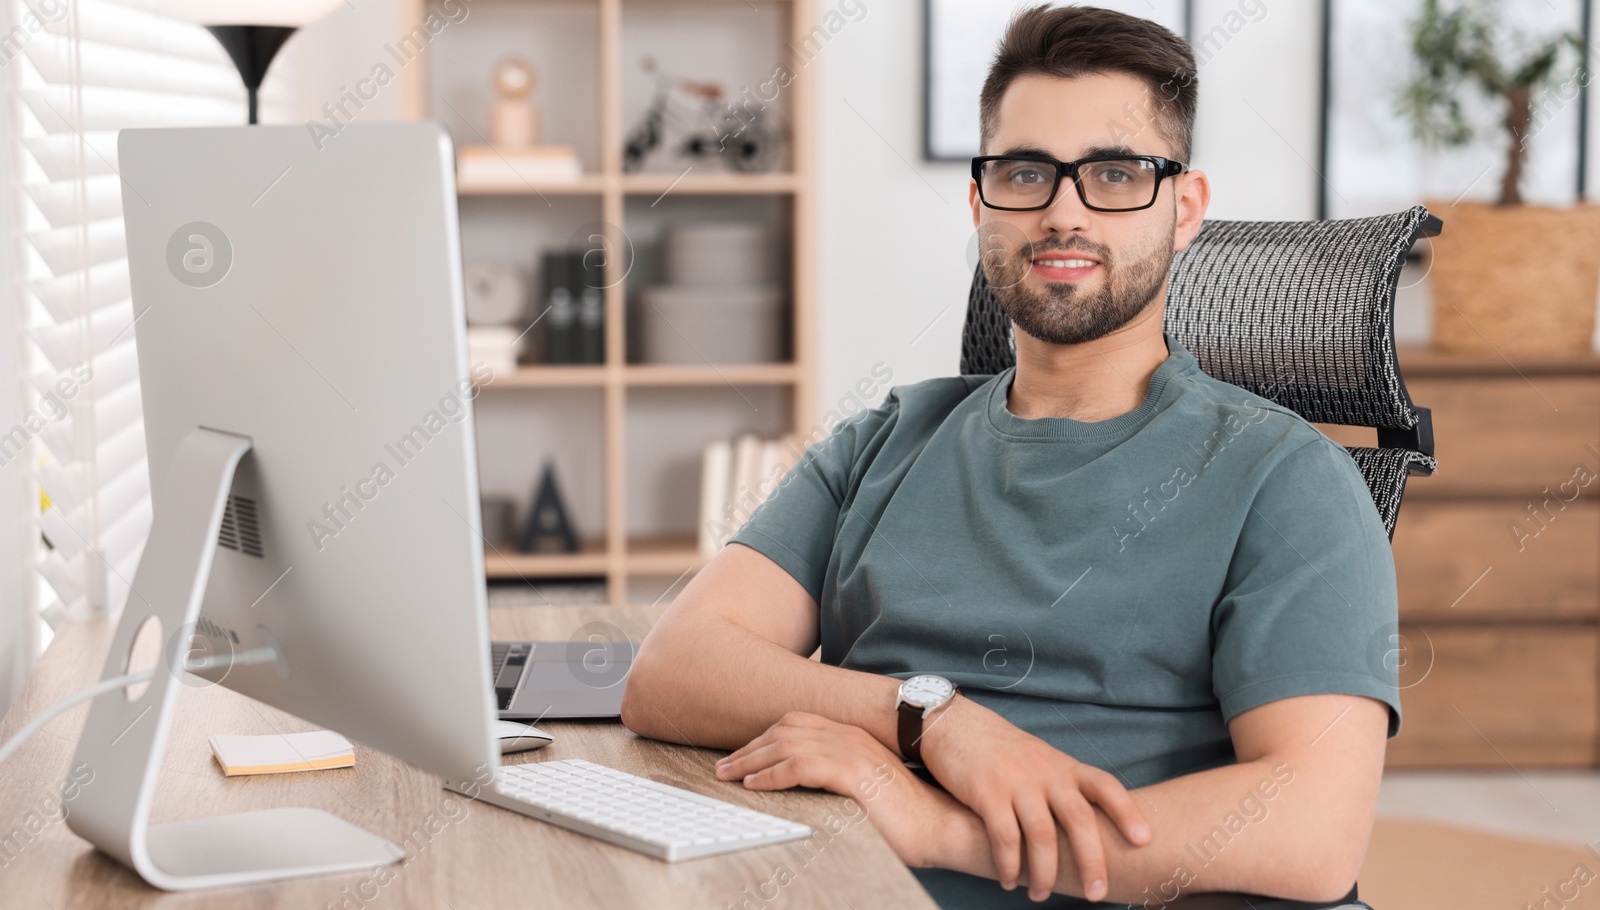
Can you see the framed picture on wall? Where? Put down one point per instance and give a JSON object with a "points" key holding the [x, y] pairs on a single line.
{"points": [[1371, 164], [959, 40]]}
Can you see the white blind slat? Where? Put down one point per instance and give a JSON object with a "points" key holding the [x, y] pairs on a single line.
{"points": [[117, 109], [55, 343], [121, 536], [110, 324], [84, 293], [61, 343], [125, 519], [116, 409], [66, 482], [62, 531], [116, 365], [112, 22], [65, 577], [63, 156], [61, 442], [117, 452], [68, 202], [123, 493], [84, 246], [110, 66]]}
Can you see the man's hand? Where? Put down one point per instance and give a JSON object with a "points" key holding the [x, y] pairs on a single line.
{"points": [[807, 750], [1021, 786]]}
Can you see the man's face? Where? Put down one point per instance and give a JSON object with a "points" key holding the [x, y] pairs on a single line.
{"points": [[1028, 256]]}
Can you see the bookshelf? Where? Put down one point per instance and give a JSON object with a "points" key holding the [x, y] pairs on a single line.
{"points": [[625, 391]]}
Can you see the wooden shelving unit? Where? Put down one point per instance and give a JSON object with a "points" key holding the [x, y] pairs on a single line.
{"points": [[617, 555]]}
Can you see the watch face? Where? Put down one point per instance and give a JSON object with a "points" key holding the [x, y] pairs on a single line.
{"points": [[926, 691]]}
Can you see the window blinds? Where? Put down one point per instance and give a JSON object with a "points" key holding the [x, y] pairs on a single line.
{"points": [[78, 72]]}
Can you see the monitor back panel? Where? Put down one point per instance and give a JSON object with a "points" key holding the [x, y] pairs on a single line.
{"points": [[309, 298]]}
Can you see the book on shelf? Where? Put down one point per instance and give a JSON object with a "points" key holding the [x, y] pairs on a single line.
{"points": [[746, 476], [513, 168], [736, 476], [572, 318], [716, 466], [495, 346]]}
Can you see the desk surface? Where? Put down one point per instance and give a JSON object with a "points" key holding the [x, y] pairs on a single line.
{"points": [[477, 856]]}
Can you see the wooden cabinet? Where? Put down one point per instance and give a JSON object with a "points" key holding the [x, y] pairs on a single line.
{"points": [[1461, 561], [1508, 435], [1491, 694], [1497, 557]]}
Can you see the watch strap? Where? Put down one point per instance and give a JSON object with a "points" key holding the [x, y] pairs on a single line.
{"points": [[910, 732]]}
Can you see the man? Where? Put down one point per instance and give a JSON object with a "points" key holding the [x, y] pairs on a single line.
{"points": [[1163, 601]]}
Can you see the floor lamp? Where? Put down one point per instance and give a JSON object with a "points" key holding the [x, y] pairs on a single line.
{"points": [[252, 46]]}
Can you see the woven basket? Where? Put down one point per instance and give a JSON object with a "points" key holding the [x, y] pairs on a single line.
{"points": [[1514, 278]]}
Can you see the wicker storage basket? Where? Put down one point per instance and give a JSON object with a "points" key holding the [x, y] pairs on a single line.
{"points": [[1515, 278]]}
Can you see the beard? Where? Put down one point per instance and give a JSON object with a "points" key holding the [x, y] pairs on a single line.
{"points": [[1070, 312]]}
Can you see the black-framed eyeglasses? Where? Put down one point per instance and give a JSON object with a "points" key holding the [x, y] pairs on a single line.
{"points": [[1106, 183]]}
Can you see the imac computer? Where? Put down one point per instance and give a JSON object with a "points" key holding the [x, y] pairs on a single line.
{"points": [[299, 316], [299, 320]]}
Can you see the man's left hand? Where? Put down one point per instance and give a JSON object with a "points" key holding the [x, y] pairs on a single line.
{"points": [[807, 750]]}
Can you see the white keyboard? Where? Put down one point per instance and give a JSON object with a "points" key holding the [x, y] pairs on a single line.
{"points": [[666, 822]]}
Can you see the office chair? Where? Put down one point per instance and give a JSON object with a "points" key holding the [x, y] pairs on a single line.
{"points": [[1298, 312]]}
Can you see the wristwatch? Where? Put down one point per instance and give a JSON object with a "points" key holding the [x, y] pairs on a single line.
{"points": [[919, 697]]}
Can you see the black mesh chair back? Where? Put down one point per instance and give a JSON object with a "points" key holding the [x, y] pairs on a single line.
{"points": [[1298, 312]]}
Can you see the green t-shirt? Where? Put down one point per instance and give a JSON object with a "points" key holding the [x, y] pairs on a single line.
{"points": [[1120, 588]]}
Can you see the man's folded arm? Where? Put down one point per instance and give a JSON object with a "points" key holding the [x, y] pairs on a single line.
{"points": [[729, 658], [1290, 819]]}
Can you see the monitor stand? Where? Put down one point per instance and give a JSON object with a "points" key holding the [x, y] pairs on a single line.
{"points": [[123, 746]]}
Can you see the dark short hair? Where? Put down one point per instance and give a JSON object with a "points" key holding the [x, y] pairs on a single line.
{"points": [[1072, 41]]}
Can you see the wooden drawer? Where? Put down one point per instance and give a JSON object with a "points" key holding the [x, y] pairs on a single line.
{"points": [[1489, 695], [1443, 549], [1507, 435]]}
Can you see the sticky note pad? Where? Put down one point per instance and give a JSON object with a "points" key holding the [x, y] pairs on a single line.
{"points": [[276, 753]]}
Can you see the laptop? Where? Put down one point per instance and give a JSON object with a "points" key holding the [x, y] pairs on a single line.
{"points": [[559, 680]]}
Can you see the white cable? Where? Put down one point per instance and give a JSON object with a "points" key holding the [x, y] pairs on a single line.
{"points": [[251, 656], [49, 714]]}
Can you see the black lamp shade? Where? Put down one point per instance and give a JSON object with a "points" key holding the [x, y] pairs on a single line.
{"points": [[252, 48]]}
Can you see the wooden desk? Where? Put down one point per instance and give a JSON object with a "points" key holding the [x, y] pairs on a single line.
{"points": [[477, 856]]}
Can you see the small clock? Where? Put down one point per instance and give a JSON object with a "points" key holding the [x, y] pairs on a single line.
{"points": [[495, 292]]}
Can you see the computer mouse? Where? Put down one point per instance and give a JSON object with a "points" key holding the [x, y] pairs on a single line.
{"points": [[520, 737]]}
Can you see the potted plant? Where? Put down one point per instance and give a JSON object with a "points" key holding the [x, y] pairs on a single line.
{"points": [[1506, 275]]}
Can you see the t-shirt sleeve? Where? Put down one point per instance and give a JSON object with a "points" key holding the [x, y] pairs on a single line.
{"points": [[1310, 604], [796, 525]]}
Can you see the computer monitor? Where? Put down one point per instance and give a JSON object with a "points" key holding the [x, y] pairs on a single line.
{"points": [[300, 329]]}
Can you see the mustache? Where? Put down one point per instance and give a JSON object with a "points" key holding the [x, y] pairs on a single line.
{"points": [[1056, 246]]}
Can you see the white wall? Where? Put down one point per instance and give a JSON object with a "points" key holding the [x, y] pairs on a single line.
{"points": [[895, 230], [337, 52], [1260, 109]]}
